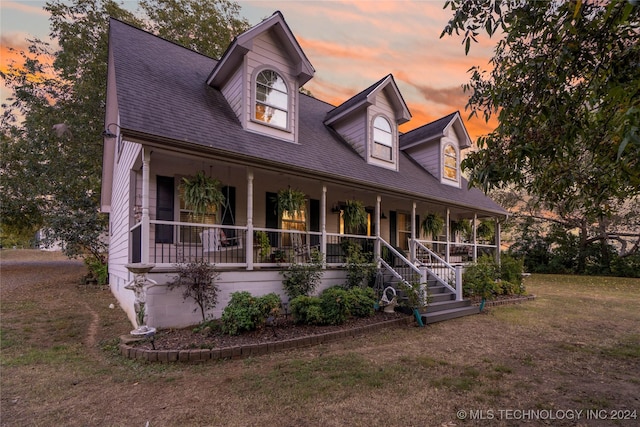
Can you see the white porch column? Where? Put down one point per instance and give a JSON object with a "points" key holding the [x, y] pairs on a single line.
{"points": [[498, 242], [412, 246], [145, 232], [249, 245], [323, 225], [377, 245], [447, 225], [475, 238]]}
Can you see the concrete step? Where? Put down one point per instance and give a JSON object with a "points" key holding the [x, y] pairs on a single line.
{"points": [[441, 297], [437, 289], [439, 316], [434, 307]]}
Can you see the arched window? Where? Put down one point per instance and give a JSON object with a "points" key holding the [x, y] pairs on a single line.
{"points": [[382, 138], [272, 99], [450, 163]]}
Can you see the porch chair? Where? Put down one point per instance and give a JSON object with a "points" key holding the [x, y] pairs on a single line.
{"points": [[301, 249], [214, 240]]}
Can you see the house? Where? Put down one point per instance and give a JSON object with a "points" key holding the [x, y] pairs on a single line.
{"points": [[173, 113]]}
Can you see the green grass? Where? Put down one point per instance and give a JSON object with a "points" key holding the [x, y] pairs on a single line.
{"points": [[575, 346]]}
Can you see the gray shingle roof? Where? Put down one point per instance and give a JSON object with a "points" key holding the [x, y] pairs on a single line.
{"points": [[162, 94]]}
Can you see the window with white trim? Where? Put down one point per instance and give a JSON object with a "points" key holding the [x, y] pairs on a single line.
{"points": [[272, 99], [450, 164], [382, 139]]}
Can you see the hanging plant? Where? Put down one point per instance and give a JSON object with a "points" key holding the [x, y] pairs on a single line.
{"points": [[486, 230], [463, 227], [432, 224], [201, 193], [291, 201], [354, 215]]}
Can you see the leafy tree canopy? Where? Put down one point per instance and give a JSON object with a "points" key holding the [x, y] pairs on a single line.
{"points": [[565, 84], [50, 130]]}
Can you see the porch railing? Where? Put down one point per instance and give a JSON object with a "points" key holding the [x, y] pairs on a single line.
{"points": [[172, 242], [337, 247], [443, 272], [460, 253]]}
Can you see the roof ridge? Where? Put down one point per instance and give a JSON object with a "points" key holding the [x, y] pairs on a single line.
{"points": [[148, 32]]}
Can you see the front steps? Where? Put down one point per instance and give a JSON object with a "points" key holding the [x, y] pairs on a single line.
{"points": [[442, 302], [443, 306]]}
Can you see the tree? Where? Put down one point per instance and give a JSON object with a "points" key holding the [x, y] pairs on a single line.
{"points": [[50, 132], [207, 27], [565, 86]]}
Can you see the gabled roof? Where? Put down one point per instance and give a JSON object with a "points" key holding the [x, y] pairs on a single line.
{"points": [[367, 97], [436, 130], [240, 45], [164, 101]]}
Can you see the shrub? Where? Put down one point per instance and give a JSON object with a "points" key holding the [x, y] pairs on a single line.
{"points": [[98, 269], [247, 313], [307, 310], [360, 269], [361, 302], [511, 275], [198, 279], [480, 278], [335, 305], [303, 279]]}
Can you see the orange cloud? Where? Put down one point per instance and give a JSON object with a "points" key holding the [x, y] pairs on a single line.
{"points": [[35, 10], [325, 49]]}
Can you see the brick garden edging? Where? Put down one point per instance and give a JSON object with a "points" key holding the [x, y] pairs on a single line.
{"points": [[509, 301], [241, 352]]}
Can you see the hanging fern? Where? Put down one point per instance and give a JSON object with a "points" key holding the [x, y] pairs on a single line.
{"points": [[432, 224], [200, 193], [354, 215], [291, 201]]}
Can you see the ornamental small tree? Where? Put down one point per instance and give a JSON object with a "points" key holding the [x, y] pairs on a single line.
{"points": [[197, 279]]}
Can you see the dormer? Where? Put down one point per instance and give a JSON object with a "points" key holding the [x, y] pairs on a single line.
{"points": [[437, 147], [369, 122], [260, 75]]}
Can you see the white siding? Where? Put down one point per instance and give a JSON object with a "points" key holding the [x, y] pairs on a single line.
{"points": [[120, 223], [427, 156], [232, 91], [167, 309], [382, 105], [266, 52], [353, 130]]}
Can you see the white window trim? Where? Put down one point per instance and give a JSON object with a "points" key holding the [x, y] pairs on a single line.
{"points": [[254, 98], [393, 139], [445, 179]]}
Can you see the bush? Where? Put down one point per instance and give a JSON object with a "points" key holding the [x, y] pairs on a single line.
{"points": [[479, 279], [247, 313], [335, 305], [511, 275], [307, 310], [303, 279], [361, 302], [360, 269], [98, 269]]}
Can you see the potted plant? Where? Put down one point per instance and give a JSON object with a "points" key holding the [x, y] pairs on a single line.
{"points": [[262, 238], [200, 193], [291, 201], [432, 224], [354, 215]]}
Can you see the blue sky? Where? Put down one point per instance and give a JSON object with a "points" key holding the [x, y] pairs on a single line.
{"points": [[351, 44]]}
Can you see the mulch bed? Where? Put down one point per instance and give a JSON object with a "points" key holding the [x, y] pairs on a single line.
{"points": [[284, 329]]}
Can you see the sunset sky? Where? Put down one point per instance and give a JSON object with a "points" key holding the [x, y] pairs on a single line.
{"points": [[351, 44]]}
